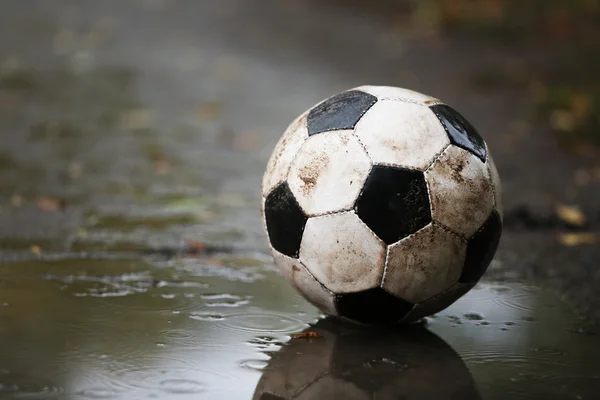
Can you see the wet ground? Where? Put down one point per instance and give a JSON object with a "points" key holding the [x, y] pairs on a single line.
{"points": [[134, 136]]}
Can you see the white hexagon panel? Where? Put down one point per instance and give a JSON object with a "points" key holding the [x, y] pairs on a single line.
{"points": [[397, 93], [342, 253], [416, 270], [401, 134], [305, 283], [460, 190], [284, 153], [328, 172]]}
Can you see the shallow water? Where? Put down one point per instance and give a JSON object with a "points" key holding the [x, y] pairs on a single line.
{"points": [[157, 135], [127, 329]]}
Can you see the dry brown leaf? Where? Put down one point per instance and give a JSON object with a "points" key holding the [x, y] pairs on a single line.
{"points": [[571, 215], [50, 204], [577, 239], [306, 335], [195, 245]]}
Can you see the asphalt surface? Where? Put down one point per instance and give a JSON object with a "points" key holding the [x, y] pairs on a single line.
{"points": [[132, 126]]}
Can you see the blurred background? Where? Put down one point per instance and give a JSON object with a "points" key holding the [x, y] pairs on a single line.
{"points": [[134, 135]]}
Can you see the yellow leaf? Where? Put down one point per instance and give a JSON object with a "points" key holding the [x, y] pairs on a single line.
{"points": [[570, 214], [577, 239]]}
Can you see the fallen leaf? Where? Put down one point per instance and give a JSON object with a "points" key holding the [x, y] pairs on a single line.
{"points": [[49, 204], [577, 239], [571, 215], [35, 249], [306, 335], [195, 245]]}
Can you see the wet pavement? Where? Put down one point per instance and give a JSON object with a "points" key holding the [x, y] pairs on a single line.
{"points": [[134, 137]]}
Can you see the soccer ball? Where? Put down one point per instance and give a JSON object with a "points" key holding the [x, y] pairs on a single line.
{"points": [[382, 205], [353, 362]]}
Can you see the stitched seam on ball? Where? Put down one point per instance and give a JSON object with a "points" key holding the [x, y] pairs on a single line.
{"points": [[362, 189], [399, 166], [318, 281], [362, 145], [385, 266], [428, 184], [304, 124], [426, 103], [437, 157], [340, 211], [359, 220], [450, 230]]}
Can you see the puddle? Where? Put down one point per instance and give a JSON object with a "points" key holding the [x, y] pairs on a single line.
{"points": [[179, 331]]}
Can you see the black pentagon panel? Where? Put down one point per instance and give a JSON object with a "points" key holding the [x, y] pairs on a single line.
{"points": [[394, 202], [460, 131], [285, 220], [481, 249], [372, 306], [341, 111]]}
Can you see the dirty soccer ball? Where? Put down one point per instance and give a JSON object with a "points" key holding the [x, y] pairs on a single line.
{"points": [[382, 205]]}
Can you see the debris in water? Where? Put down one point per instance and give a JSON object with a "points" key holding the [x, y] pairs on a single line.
{"points": [[50, 204], [306, 335], [195, 245]]}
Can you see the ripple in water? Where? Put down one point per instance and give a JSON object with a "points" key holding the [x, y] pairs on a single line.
{"points": [[262, 322], [123, 287], [206, 316], [257, 365], [520, 301], [24, 386], [180, 386], [224, 300], [266, 343], [99, 393], [154, 375]]}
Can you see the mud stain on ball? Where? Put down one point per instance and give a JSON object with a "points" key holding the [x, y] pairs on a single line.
{"points": [[309, 173], [461, 191]]}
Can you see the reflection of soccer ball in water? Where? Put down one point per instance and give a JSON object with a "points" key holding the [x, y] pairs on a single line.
{"points": [[382, 205], [359, 363]]}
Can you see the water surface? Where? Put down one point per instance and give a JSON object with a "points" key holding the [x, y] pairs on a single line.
{"points": [[129, 329]]}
